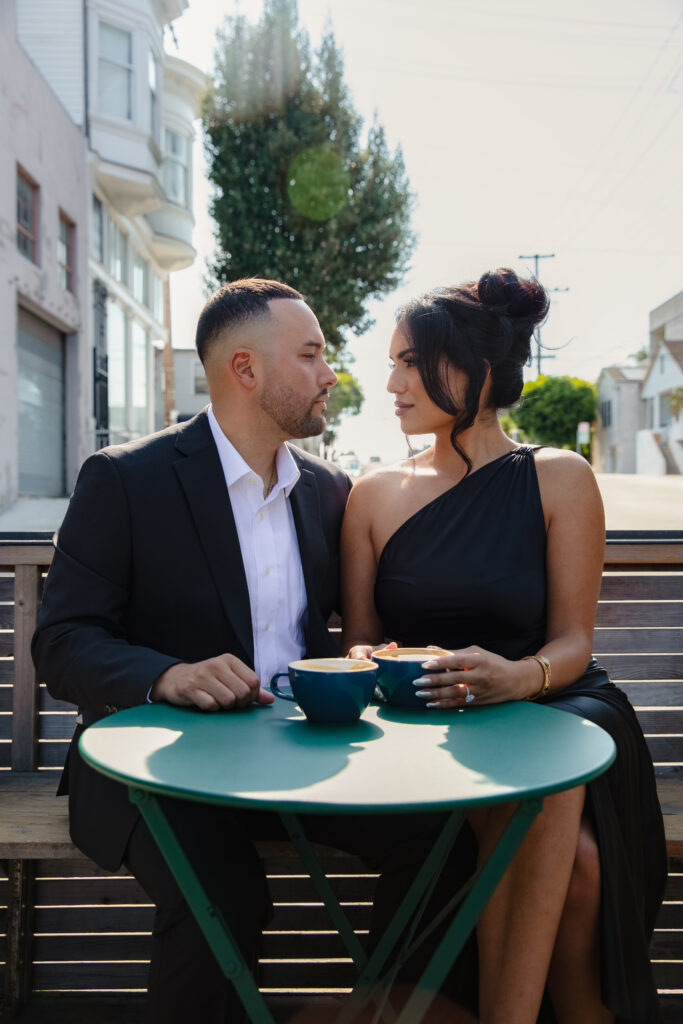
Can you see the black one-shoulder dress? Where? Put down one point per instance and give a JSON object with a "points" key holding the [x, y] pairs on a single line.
{"points": [[469, 568]]}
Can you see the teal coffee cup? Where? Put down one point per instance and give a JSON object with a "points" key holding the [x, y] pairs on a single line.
{"points": [[398, 668], [333, 690]]}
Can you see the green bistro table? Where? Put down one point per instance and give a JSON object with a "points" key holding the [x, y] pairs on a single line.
{"points": [[271, 758]]}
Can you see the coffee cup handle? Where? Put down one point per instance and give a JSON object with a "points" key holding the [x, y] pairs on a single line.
{"points": [[278, 692]]}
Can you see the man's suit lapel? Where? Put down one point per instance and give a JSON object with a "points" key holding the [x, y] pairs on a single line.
{"points": [[305, 502], [201, 477]]}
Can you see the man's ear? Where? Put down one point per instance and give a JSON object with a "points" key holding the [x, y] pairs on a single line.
{"points": [[242, 366]]}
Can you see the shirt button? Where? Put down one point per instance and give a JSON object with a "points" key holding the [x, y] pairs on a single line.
{"points": [[252, 479], [260, 515], [265, 628], [267, 572]]}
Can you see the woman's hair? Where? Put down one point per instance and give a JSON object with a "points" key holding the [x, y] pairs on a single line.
{"points": [[473, 326]]}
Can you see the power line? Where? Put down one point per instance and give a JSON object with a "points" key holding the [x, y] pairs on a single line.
{"points": [[537, 257]]}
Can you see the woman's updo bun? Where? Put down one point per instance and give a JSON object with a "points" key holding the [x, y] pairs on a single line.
{"points": [[476, 327], [502, 291]]}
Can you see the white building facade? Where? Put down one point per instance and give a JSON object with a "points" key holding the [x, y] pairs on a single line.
{"points": [[45, 359], [131, 108], [620, 416]]}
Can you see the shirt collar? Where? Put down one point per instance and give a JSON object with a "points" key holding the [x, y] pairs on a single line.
{"points": [[235, 468]]}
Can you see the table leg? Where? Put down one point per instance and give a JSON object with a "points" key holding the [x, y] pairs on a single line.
{"points": [[419, 893], [208, 917], [486, 880]]}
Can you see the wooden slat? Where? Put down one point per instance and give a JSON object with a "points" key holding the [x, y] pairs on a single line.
{"points": [[657, 694], [7, 616], [51, 753], [638, 587], [6, 671], [24, 701], [12, 555], [6, 643], [48, 703], [665, 748], [670, 916], [56, 725], [638, 613], [60, 976], [7, 588], [638, 641], [668, 976], [100, 918], [642, 666], [5, 726], [36, 821], [669, 720], [667, 945], [643, 555]]}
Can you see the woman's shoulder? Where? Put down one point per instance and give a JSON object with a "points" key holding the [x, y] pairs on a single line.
{"points": [[560, 470], [380, 483]]}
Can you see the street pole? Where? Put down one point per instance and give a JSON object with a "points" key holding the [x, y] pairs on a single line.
{"points": [[536, 256]]}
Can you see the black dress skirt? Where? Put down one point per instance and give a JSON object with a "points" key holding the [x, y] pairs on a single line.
{"points": [[469, 568]]}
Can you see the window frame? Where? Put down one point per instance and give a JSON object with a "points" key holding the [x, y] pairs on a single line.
{"points": [[170, 159], [67, 271], [129, 68], [32, 236]]}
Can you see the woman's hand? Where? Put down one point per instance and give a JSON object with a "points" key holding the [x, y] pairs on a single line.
{"points": [[474, 675], [367, 650]]}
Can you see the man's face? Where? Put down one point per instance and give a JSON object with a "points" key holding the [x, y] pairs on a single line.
{"points": [[297, 378]]}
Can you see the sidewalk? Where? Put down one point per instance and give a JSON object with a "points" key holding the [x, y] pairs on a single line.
{"points": [[631, 503]]}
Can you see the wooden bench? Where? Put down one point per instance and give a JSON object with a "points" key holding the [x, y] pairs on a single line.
{"points": [[70, 927]]}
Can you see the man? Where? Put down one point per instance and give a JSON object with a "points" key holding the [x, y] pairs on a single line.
{"points": [[191, 566]]}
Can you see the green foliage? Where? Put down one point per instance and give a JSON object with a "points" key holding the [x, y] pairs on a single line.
{"points": [[676, 401], [641, 356], [346, 399], [551, 408], [297, 195]]}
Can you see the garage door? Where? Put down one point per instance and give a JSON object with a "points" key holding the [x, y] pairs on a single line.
{"points": [[41, 407]]}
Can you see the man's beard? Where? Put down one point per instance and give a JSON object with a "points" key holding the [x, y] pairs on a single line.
{"points": [[291, 412]]}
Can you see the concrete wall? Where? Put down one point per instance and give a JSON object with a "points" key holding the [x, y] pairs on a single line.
{"points": [[186, 400], [37, 133], [53, 36], [649, 458]]}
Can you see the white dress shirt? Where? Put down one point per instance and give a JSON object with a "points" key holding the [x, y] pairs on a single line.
{"points": [[270, 552]]}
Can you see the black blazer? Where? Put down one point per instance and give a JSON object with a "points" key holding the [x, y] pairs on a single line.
{"points": [[147, 572]]}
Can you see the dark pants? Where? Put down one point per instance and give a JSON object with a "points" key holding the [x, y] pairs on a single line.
{"points": [[185, 982]]}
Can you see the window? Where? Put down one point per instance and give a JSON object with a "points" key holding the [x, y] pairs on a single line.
{"points": [[157, 298], [606, 413], [152, 77], [665, 410], [27, 217], [117, 253], [201, 386], [176, 152], [97, 232], [138, 362], [65, 252], [115, 72], [116, 359], [140, 275]]}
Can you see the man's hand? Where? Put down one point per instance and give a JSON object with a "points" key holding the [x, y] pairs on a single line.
{"points": [[221, 682]]}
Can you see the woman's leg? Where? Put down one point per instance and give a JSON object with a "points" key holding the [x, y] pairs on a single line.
{"points": [[574, 975], [517, 930]]}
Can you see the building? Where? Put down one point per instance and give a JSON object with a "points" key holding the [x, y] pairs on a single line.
{"points": [[620, 416], [190, 388], [45, 351], [110, 116], [660, 442]]}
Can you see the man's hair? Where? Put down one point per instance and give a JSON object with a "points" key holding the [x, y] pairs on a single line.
{"points": [[234, 303]]}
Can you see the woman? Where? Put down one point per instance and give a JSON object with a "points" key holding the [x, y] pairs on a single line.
{"points": [[494, 551]]}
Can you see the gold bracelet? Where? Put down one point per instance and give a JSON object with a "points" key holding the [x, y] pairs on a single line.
{"points": [[545, 665]]}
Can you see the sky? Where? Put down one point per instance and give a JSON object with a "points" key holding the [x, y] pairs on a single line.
{"points": [[526, 127]]}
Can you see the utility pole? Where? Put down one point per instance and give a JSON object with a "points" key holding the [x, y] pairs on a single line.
{"points": [[536, 256]]}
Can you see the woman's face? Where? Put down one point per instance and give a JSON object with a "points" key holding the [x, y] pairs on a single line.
{"points": [[417, 413]]}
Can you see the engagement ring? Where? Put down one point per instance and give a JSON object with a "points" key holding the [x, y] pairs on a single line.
{"points": [[469, 697]]}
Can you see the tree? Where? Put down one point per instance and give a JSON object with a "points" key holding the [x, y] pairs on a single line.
{"points": [[676, 401], [297, 195], [551, 408]]}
